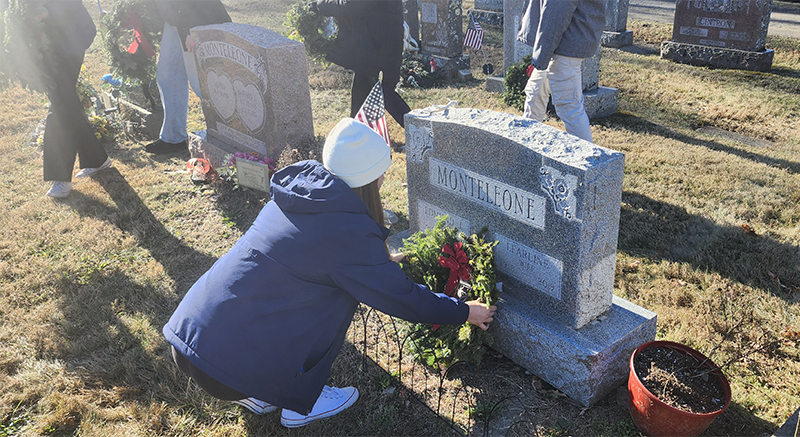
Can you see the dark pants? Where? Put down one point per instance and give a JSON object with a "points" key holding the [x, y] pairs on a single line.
{"points": [[67, 133], [207, 383], [395, 105]]}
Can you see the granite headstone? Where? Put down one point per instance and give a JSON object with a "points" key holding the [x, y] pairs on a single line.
{"points": [[723, 34], [552, 201], [616, 33], [256, 96], [442, 34]]}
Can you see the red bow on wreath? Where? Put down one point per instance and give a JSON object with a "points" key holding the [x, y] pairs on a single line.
{"points": [[133, 21], [458, 263]]}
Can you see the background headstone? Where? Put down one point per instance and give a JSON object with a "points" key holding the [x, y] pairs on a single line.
{"points": [[552, 201], [598, 101], [722, 34], [616, 33], [254, 84], [442, 34]]}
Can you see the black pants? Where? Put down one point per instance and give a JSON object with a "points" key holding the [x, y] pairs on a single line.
{"points": [[67, 133], [207, 383], [395, 105]]}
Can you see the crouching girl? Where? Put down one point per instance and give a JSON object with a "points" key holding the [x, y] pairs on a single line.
{"points": [[263, 326]]}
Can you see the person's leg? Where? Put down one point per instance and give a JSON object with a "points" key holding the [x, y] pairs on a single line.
{"points": [[394, 103], [67, 132], [362, 85], [566, 86], [537, 93], [191, 72], [173, 84]]}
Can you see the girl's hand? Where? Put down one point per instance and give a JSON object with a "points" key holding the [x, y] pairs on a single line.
{"points": [[479, 315], [396, 257]]}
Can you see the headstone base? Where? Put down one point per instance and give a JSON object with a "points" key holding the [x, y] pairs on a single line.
{"points": [[717, 57], [585, 364], [496, 84], [495, 18], [201, 145], [616, 39], [447, 67], [600, 102]]}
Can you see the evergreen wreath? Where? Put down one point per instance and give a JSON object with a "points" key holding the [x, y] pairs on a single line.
{"points": [[25, 43], [311, 29], [438, 258], [119, 36], [516, 79]]}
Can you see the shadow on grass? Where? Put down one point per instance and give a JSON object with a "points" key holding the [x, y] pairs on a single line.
{"points": [[182, 263], [641, 126], [657, 230]]}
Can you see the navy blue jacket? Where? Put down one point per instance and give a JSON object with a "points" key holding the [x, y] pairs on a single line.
{"points": [[270, 316]]}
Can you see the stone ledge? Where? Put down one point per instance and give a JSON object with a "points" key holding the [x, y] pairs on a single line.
{"points": [[616, 39], [705, 56]]}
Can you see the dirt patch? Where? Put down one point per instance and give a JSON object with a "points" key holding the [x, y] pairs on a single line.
{"points": [[679, 380]]}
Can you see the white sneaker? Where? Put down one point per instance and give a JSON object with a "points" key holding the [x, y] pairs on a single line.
{"points": [[331, 402], [60, 189], [256, 406], [86, 172]]}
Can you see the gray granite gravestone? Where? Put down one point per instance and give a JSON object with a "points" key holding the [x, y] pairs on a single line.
{"points": [[616, 33], [723, 34], [441, 27], [442, 37], [598, 101], [254, 84], [552, 201]]}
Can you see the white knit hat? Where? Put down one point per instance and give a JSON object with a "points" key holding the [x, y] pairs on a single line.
{"points": [[355, 153]]}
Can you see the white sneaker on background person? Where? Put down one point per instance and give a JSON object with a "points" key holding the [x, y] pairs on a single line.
{"points": [[330, 402], [256, 406], [86, 172], [59, 189]]}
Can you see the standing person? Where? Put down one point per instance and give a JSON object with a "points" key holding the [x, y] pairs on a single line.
{"points": [[370, 40], [176, 66], [67, 132], [562, 33], [263, 325]]}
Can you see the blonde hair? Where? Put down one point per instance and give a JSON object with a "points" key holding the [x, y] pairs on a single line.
{"points": [[371, 197]]}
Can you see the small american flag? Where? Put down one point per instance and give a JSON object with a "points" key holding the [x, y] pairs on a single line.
{"points": [[372, 113], [474, 35]]}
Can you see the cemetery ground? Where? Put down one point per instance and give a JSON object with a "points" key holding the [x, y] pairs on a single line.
{"points": [[709, 240]]}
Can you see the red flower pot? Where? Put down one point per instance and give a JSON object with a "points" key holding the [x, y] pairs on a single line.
{"points": [[654, 417]]}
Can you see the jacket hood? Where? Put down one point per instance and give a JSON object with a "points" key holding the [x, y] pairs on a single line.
{"points": [[307, 187]]}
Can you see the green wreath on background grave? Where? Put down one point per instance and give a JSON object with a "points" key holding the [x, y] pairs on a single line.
{"points": [[433, 257], [516, 79], [24, 44], [119, 35], [310, 28]]}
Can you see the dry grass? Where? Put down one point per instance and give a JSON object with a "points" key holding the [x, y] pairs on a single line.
{"points": [[86, 283]]}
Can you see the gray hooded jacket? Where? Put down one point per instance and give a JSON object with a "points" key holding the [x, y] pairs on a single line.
{"points": [[563, 27]]}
